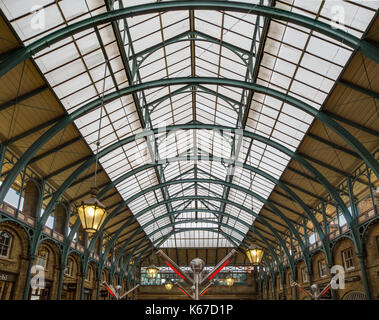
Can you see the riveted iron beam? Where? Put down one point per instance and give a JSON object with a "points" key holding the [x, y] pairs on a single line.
{"points": [[56, 149], [358, 88], [325, 165], [352, 123], [67, 167], [33, 130], [333, 145], [23, 97], [190, 36]]}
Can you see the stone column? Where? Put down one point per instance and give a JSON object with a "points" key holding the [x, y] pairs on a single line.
{"points": [[55, 285], [60, 282], [20, 283], [31, 199], [96, 289], [79, 285], [365, 281]]}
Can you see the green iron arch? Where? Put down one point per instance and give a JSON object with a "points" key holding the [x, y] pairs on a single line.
{"points": [[22, 54], [366, 156], [234, 186], [251, 228], [260, 218], [77, 172], [244, 55], [165, 237], [231, 102], [269, 247], [262, 173]]}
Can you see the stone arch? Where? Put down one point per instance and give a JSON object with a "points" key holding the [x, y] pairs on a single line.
{"points": [[278, 284], [105, 275], [344, 243], [368, 228], [354, 295], [70, 282], [76, 269], [103, 293], [14, 266], [89, 282], [300, 266], [48, 255], [318, 260], [371, 245], [288, 277], [344, 254]]}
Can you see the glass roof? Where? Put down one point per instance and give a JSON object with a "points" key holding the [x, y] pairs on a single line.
{"points": [[296, 61]]}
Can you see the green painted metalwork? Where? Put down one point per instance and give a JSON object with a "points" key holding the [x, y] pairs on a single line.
{"points": [[358, 88], [3, 149], [20, 55], [292, 194], [74, 176], [221, 182], [217, 213], [140, 103], [352, 123], [193, 88], [165, 237], [372, 163], [130, 220], [246, 96], [79, 170], [25, 96], [140, 57]]}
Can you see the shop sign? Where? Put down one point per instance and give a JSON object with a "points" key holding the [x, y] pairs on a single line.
{"points": [[5, 276]]}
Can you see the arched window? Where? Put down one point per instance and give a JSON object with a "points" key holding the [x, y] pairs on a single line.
{"points": [[69, 267], [88, 274], [5, 244], [42, 258]]}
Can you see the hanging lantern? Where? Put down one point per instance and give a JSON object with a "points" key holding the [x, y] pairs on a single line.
{"points": [[152, 272], [168, 285], [255, 254], [91, 213], [229, 280]]}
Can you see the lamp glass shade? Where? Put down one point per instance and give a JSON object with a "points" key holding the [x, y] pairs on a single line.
{"points": [[152, 272], [91, 213], [254, 254], [229, 280], [168, 285]]}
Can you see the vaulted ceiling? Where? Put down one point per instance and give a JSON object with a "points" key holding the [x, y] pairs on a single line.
{"points": [[216, 123]]}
